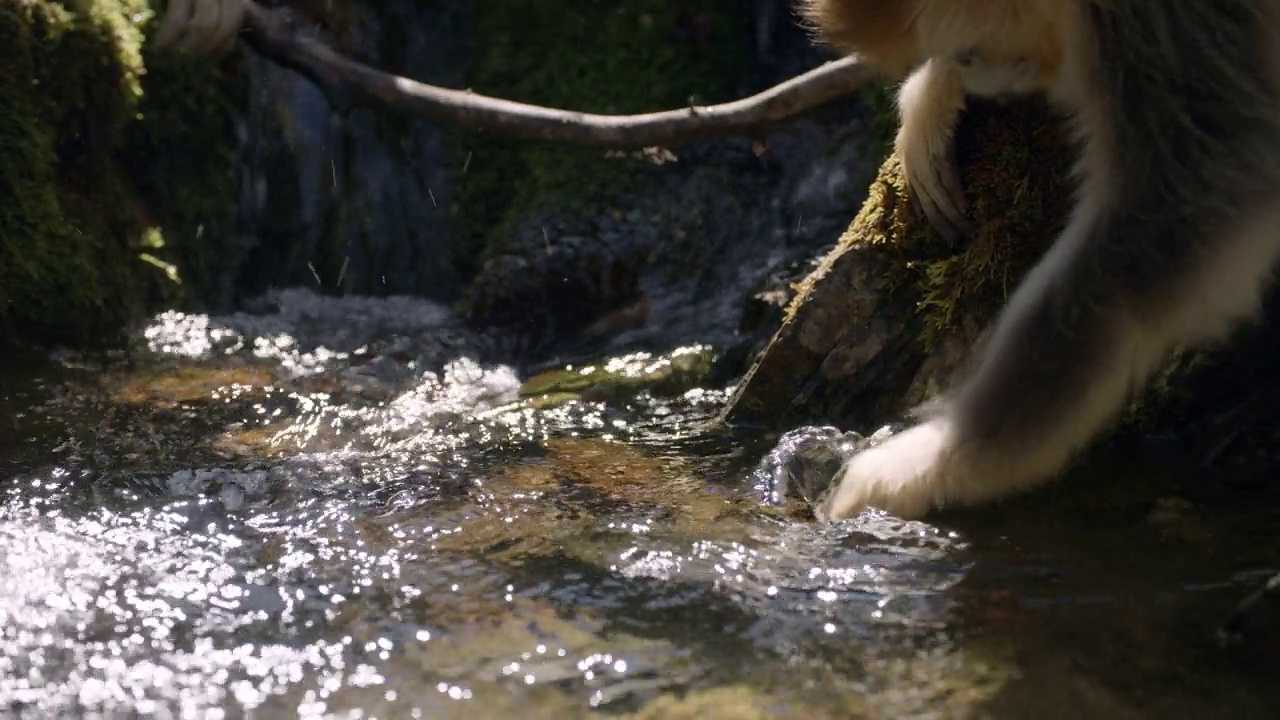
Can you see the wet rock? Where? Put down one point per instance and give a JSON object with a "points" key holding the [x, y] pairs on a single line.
{"points": [[1178, 521], [625, 376], [554, 281], [671, 262], [727, 703], [357, 202]]}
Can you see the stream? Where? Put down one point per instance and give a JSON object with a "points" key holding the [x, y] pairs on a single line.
{"points": [[346, 507]]}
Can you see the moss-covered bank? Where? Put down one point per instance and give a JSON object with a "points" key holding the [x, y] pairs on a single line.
{"points": [[115, 169]]}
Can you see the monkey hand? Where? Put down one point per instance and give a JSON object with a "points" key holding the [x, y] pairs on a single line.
{"points": [[200, 25], [930, 102], [902, 475], [933, 184]]}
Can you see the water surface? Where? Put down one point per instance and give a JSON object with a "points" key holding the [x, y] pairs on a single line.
{"points": [[340, 508]]}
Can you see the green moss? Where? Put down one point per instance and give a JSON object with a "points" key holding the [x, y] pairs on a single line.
{"points": [[1015, 167], [585, 55], [1020, 193], [179, 154], [67, 87], [73, 107]]}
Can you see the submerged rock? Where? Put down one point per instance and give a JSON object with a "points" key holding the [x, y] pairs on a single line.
{"points": [[621, 377]]}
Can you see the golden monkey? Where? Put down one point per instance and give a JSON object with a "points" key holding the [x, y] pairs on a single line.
{"points": [[1172, 240]]}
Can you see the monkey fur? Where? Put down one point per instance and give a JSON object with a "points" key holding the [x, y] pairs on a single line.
{"points": [[1173, 237]]}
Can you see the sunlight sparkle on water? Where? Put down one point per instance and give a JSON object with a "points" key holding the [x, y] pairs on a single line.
{"points": [[361, 519]]}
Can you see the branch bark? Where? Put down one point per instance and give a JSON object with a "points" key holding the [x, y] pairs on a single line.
{"points": [[278, 36]]}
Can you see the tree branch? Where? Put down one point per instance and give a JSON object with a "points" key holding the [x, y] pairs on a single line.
{"points": [[347, 84]]}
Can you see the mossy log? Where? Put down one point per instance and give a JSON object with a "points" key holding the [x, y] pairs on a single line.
{"points": [[891, 312]]}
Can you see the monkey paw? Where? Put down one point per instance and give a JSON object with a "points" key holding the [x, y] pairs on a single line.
{"points": [[933, 183], [903, 475], [200, 25]]}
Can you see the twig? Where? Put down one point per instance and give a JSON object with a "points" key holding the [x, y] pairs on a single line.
{"points": [[347, 84]]}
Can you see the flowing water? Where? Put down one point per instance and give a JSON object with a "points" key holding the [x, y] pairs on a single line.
{"points": [[342, 508]]}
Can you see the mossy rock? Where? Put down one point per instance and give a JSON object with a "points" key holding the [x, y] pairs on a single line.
{"points": [[87, 139], [890, 313], [584, 55]]}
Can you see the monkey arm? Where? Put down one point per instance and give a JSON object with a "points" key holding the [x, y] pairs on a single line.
{"points": [[930, 102], [1172, 243], [200, 25]]}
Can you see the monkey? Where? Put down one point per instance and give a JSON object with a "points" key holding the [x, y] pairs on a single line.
{"points": [[200, 26], [1172, 239], [1019, 54]]}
